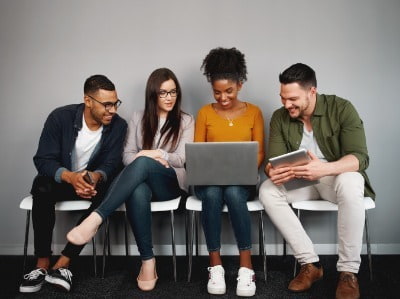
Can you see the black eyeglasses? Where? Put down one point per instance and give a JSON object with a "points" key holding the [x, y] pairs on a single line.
{"points": [[163, 93], [108, 105]]}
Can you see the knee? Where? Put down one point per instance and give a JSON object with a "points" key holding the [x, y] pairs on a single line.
{"points": [[236, 196], [139, 164], [350, 183], [42, 185], [211, 196]]}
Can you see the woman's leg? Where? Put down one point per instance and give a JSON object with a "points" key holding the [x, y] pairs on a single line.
{"points": [[130, 177], [161, 185], [142, 169], [236, 198], [212, 203]]}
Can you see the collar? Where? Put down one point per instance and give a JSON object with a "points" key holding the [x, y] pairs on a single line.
{"points": [[79, 118]]}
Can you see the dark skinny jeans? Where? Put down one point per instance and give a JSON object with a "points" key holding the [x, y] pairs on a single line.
{"points": [[235, 197], [142, 181]]}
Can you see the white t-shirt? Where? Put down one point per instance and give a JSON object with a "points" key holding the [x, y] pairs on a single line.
{"points": [[309, 142], [85, 144]]}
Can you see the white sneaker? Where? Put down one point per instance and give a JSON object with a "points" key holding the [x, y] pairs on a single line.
{"points": [[216, 280], [246, 282]]}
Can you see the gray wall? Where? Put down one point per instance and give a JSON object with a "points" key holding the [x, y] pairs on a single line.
{"points": [[48, 48]]}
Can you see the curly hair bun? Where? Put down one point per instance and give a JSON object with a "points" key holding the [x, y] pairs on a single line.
{"points": [[223, 63]]}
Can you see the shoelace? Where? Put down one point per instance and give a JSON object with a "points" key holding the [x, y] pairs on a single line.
{"points": [[66, 273], [34, 274], [246, 278], [347, 277], [305, 268], [215, 274]]}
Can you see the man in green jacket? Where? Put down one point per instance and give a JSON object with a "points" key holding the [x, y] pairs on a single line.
{"points": [[331, 131]]}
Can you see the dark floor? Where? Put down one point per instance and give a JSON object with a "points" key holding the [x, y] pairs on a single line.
{"points": [[120, 279]]}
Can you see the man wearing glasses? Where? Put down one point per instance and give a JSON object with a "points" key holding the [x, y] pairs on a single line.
{"points": [[79, 154]]}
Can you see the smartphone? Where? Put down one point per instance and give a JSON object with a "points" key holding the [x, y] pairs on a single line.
{"points": [[88, 178]]}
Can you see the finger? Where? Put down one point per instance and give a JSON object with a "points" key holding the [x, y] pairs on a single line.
{"points": [[312, 156]]}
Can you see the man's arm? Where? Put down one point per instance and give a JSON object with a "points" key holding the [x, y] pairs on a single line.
{"points": [[111, 151], [49, 154]]}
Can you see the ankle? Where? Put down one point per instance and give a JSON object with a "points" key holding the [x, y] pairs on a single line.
{"points": [[62, 262], [43, 262]]}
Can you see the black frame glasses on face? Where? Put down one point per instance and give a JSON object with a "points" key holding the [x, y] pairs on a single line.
{"points": [[163, 93], [108, 105]]}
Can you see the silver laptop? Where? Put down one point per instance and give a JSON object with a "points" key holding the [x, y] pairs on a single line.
{"points": [[222, 163]]}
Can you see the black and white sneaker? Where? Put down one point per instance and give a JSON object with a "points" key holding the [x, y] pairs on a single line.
{"points": [[33, 281], [60, 277]]}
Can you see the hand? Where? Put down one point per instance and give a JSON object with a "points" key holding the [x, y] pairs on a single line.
{"points": [[279, 176], [149, 153], [163, 162], [313, 170], [82, 188]]}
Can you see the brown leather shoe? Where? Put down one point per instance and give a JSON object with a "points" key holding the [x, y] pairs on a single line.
{"points": [[347, 286], [307, 276]]}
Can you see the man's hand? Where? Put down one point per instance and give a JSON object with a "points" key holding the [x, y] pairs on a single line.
{"points": [[313, 170], [82, 188], [279, 176]]}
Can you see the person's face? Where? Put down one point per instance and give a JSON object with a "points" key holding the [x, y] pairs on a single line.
{"points": [[95, 103], [297, 100], [166, 97], [226, 92]]}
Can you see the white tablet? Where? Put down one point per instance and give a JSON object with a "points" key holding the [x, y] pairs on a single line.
{"points": [[296, 158]]}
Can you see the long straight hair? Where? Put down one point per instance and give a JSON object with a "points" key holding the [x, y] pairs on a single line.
{"points": [[150, 120]]}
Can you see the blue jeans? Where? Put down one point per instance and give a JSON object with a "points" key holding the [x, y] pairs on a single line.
{"points": [[235, 197], [138, 184]]}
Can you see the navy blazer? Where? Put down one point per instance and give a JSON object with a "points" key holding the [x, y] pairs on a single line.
{"points": [[58, 138]]}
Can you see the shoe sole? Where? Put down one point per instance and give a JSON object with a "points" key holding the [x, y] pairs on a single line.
{"points": [[245, 293], [216, 291], [59, 283], [31, 289], [304, 290]]}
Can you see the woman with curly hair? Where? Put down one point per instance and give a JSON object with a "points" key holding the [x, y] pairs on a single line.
{"points": [[228, 119]]}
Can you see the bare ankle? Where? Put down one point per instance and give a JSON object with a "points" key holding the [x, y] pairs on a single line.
{"points": [[62, 262], [43, 262]]}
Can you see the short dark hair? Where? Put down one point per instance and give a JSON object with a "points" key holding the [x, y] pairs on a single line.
{"points": [[96, 82], [299, 73], [223, 63]]}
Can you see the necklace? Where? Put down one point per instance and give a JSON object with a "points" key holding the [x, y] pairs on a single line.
{"points": [[230, 121]]}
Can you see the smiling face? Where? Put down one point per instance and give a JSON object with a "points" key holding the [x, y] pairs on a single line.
{"points": [[298, 101], [166, 98], [226, 92], [95, 112]]}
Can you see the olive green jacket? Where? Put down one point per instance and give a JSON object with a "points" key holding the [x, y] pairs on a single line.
{"points": [[337, 127]]}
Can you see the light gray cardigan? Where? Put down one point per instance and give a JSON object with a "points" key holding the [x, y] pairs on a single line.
{"points": [[134, 144]]}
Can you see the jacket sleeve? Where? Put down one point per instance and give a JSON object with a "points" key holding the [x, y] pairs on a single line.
{"points": [[48, 157], [352, 135], [112, 149], [276, 143], [177, 158]]}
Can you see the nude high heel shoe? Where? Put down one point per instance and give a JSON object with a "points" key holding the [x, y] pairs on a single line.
{"points": [[147, 285], [85, 231]]}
